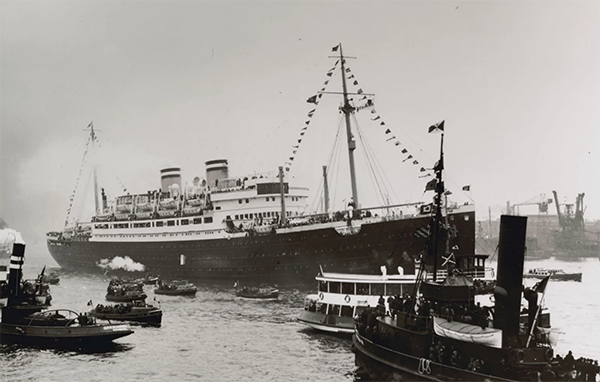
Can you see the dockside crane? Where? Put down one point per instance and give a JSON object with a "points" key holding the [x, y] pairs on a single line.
{"points": [[539, 201]]}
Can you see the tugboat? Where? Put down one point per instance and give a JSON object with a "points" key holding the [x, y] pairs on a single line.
{"points": [[120, 290], [263, 292], [176, 288], [137, 311], [25, 320], [441, 334]]}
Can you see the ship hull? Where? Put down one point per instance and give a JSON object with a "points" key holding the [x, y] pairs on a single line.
{"points": [[286, 258], [62, 337], [386, 364]]}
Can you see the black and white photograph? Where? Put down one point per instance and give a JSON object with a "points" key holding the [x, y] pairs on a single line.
{"points": [[296, 190]]}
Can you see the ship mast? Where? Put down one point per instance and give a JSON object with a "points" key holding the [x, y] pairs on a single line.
{"points": [[437, 206], [94, 168], [348, 109]]}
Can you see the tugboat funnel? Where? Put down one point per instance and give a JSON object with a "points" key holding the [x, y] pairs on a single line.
{"points": [[511, 258], [16, 269]]}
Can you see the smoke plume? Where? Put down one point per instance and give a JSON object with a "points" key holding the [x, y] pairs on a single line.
{"points": [[118, 262], [8, 237]]}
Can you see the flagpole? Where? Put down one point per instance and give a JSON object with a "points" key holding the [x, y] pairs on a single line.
{"points": [[534, 323]]}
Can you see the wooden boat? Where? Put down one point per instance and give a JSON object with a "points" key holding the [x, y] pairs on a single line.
{"points": [[555, 274], [137, 311], [176, 288], [262, 292]]}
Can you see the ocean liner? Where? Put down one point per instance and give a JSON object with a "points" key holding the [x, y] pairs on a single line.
{"points": [[254, 228]]}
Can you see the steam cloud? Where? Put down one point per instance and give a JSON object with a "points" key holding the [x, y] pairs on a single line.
{"points": [[119, 262], [8, 237]]}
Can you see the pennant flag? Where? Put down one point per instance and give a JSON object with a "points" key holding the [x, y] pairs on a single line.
{"points": [[430, 186], [326, 82], [335, 48], [90, 303], [422, 169], [287, 169], [467, 188], [390, 138], [437, 127], [355, 82], [397, 143], [307, 122], [329, 74], [388, 131], [321, 95], [425, 209], [448, 192], [351, 76], [407, 158], [382, 123], [91, 124], [312, 99], [296, 146], [299, 140], [415, 162], [359, 91], [540, 287], [373, 111], [376, 118], [302, 133], [404, 151]]}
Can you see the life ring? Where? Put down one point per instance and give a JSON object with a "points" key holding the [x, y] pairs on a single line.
{"points": [[347, 298], [520, 355], [320, 296]]}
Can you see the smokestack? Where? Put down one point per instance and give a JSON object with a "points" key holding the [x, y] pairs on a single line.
{"points": [[169, 177], [16, 269], [216, 170], [511, 258]]}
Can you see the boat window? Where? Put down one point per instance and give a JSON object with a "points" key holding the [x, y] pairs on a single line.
{"points": [[170, 223], [377, 289], [208, 219], [321, 308], [185, 222], [247, 200], [362, 288], [323, 286], [334, 310], [197, 220], [392, 289], [347, 288], [346, 311], [359, 310], [159, 224], [334, 287]]}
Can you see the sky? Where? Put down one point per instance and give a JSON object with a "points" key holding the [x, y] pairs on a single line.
{"points": [[181, 82]]}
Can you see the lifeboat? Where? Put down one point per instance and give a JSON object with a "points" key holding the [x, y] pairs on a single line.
{"points": [[124, 208], [147, 206], [195, 202], [467, 332], [169, 204]]}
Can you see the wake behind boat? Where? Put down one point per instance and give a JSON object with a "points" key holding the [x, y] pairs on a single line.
{"points": [[256, 227]]}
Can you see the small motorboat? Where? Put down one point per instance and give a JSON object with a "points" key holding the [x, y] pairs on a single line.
{"points": [[262, 292], [176, 288], [136, 311], [123, 291], [555, 274]]}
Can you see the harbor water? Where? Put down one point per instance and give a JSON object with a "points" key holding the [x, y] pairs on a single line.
{"points": [[216, 336]]}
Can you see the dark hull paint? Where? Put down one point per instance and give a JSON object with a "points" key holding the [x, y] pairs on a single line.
{"points": [[384, 363], [283, 258], [557, 277], [150, 317], [61, 337]]}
